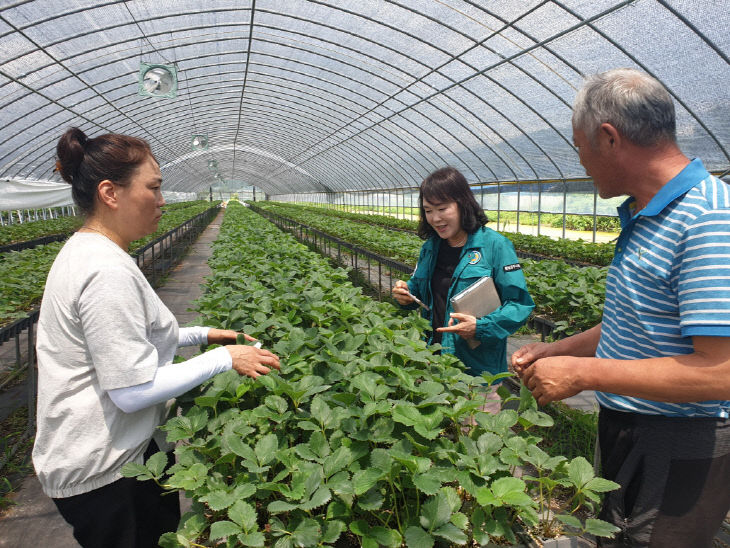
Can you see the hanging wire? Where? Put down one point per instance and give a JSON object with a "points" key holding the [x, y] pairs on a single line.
{"points": [[144, 35], [243, 88], [173, 62]]}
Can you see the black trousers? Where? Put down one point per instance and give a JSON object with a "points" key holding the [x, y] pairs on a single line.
{"points": [[674, 475], [125, 514]]}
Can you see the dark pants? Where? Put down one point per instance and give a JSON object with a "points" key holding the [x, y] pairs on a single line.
{"points": [[674, 475], [125, 514]]}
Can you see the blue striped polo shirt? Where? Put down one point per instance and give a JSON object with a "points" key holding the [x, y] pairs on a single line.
{"points": [[669, 281]]}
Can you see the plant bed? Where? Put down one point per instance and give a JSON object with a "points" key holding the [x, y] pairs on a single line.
{"points": [[541, 257], [580, 251], [23, 278], [571, 296], [360, 438], [23, 273], [30, 244], [15, 447], [37, 230]]}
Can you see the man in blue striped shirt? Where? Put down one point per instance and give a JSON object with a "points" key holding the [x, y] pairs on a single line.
{"points": [[660, 358]]}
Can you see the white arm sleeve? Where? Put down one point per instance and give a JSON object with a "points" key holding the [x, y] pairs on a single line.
{"points": [[190, 336], [172, 380]]}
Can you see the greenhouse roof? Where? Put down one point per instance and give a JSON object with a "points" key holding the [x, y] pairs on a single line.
{"points": [[297, 96]]}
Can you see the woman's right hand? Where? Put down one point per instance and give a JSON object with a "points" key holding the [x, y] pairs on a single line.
{"points": [[401, 294], [252, 361]]}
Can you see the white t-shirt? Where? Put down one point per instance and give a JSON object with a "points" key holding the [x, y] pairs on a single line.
{"points": [[101, 327]]}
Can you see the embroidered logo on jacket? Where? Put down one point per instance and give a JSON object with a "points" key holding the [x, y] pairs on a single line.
{"points": [[512, 267], [475, 257]]}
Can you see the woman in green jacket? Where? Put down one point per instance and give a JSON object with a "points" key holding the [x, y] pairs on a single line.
{"points": [[459, 250]]}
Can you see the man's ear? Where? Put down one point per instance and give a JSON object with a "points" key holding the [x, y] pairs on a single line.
{"points": [[609, 135], [107, 193]]}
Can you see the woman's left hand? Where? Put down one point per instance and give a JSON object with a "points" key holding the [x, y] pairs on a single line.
{"points": [[225, 336], [466, 326]]}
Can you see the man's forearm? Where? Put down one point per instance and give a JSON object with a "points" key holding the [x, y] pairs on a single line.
{"points": [[673, 379], [583, 344], [700, 376], [703, 375]]}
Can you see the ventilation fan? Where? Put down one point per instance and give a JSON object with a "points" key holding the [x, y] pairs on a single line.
{"points": [[157, 80], [199, 142]]}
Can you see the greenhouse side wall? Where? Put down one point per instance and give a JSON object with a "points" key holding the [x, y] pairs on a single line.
{"points": [[558, 208]]}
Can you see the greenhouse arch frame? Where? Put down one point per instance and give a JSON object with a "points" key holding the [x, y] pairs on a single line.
{"points": [[353, 103]]}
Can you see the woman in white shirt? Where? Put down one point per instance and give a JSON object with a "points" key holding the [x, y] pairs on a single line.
{"points": [[105, 348]]}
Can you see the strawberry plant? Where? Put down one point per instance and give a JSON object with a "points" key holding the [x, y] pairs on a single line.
{"points": [[359, 440], [37, 229], [23, 273], [23, 278], [571, 296], [556, 474]]}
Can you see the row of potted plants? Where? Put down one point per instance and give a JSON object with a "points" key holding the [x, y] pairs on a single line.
{"points": [[22, 232], [573, 221], [23, 273], [599, 254]]}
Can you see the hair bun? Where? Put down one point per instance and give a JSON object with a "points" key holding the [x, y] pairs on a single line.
{"points": [[70, 151]]}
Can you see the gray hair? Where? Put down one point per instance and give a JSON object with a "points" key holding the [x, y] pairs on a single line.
{"points": [[633, 102]]}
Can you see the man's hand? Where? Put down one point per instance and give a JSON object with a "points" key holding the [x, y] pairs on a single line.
{"points": [[526, 355], [465, 325], [554, 378]]}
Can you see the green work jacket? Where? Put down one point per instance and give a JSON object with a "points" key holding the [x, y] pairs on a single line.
{"points": [[486, 253]]}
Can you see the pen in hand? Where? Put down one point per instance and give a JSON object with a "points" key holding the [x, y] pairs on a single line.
{"points": [[418, 301]]}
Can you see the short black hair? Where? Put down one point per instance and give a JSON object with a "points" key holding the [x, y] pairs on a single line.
{"points": [[449, 185]]}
